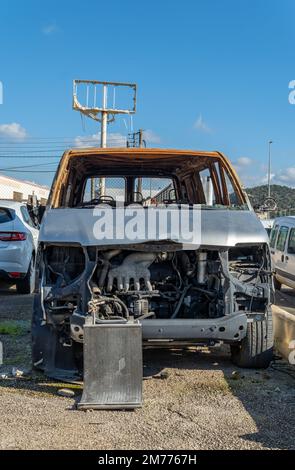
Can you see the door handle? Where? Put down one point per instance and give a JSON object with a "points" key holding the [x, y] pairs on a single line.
{"points": [[282, 258], [287, 258]]}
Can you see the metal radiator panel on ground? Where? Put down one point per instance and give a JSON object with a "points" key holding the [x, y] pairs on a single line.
{"points": [[112, 366]]}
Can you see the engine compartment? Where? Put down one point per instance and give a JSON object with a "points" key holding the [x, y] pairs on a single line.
{"points": [[154, 282]]}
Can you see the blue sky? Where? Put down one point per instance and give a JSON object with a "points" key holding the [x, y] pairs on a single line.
{"points": [[211, 74]]}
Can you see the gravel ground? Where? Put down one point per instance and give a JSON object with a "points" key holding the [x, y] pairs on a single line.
{"points": [[200, 404]]}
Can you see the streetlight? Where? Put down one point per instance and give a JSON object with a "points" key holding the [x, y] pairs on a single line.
{"points": [[269, 166]]}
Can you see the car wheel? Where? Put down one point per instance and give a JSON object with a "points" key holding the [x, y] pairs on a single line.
{"points": [[255, 351], [27, 284], [40, 335]]}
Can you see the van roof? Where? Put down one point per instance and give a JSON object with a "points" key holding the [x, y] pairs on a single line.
{"points": [[289, 219]]}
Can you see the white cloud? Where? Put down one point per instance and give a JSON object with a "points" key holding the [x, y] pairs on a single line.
{"points": [[13, 130], [244, 161], [264, 179], [286, 176], [243, 165], [200, 125], [49, 29], [253, 174], [114, 139], [151, 137]]}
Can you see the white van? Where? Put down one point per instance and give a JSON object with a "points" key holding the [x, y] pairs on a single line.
{"points": [[267, 224], [282, 246]]}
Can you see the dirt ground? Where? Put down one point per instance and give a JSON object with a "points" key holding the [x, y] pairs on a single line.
{"points": [[203, 402]]}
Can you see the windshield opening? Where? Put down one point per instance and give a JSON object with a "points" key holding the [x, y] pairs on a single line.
{"points": [[207, 182]]}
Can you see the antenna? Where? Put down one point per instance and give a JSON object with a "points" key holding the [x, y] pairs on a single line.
{"points": [[122, 97]]}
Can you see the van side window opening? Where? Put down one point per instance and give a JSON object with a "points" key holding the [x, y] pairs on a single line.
{"points": [[273, 236], [291, 243], [207, 187], [217, 186], [282, 237]]}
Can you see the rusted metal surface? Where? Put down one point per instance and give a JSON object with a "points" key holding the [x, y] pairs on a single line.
{"points": [[93, 110], [179, 162]]}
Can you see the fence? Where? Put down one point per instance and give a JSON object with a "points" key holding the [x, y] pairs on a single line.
{"points": [[21, 190]]}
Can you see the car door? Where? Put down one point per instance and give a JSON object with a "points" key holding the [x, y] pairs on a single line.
{"points": [[280, 260], [290, 258], [26, 219]]}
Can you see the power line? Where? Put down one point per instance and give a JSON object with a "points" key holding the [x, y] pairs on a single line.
{"points": [[30, 171], [65, 141], [60, 139], [10, 151], [54, 144], [27, 166], [29, 156], [34, 151]]}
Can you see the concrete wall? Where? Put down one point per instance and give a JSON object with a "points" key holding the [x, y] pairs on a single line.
{"points": [[11, 188], [284, 331]]}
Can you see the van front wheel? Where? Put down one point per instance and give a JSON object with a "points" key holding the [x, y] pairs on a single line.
{"points": [[255, 351]]}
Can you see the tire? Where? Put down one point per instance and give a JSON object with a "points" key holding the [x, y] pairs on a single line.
{"points": [[49, 355], [37, 339], [26, 285], [255, 351], [277, 284]]}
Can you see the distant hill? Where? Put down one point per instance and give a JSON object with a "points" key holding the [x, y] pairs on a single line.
{"points": [[284, 196]]}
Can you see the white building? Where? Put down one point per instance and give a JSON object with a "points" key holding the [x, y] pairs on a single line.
{"points": [[20, 190]]}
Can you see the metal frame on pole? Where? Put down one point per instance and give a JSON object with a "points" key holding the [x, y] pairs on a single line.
{"points": [[101, 114]]}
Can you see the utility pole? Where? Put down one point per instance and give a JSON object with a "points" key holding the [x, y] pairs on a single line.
{"points": [[135, 139], [269, 167], [104, 113], [103, 133], [139, 181]]}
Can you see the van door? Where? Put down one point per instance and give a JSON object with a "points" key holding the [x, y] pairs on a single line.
{"points": [[290, 259], [280, 257]]}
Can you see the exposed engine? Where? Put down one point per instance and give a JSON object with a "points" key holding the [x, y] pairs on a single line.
{"points": [[161, 285], [112, 285]]}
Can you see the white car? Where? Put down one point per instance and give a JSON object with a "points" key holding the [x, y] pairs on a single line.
{"points": [[18, 241]]}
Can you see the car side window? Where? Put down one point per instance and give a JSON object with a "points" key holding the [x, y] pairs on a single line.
{"points": [[291, 243], [282, 237], [26, 216], [273, 236], [5, 215]]}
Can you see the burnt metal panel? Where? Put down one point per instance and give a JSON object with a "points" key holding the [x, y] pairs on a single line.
{"points": [[228, 328]]}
